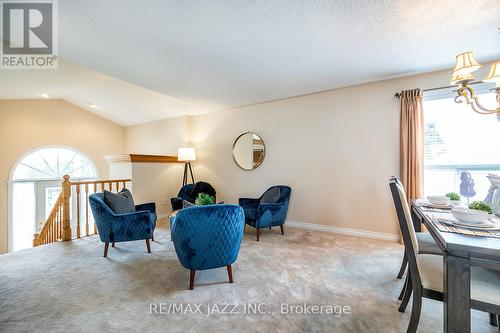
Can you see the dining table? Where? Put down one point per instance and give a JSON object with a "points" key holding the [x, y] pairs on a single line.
{"points": [[461, 253]]}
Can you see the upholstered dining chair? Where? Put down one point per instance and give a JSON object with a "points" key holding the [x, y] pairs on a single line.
{"points": [[207, 237], [426, 270], [269, 210], [126, 227], [426, 245]]}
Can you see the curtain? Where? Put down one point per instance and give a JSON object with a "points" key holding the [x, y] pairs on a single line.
{"points": [[412, 143]]}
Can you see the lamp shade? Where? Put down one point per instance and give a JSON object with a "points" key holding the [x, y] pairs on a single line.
{"points": [[494, 74], [465, 64], [186, 154]]}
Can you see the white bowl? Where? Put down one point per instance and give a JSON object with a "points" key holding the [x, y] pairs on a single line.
{"points": [[438, 200], [469, 215]]}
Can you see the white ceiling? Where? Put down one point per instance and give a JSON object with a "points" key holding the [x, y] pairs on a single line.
{"points": [[219, 54], [119, 101]]}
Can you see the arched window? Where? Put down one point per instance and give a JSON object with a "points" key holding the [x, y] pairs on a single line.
{"points": [[36, 184], [53, 163]]}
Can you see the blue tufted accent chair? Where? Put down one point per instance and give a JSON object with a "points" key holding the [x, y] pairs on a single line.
{"points": [[207, 237], [126, 227], [190, 192], [269, 210]]}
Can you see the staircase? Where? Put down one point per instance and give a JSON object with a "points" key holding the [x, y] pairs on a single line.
{"points": [[57, 227]]}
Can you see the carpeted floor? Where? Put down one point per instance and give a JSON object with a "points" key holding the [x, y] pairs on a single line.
{"points": [[70, 287]]}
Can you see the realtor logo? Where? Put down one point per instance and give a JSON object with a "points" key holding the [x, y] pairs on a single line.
{"points": [[29, 34]]}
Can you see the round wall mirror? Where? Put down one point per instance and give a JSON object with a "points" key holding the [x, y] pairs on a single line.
{"points": [[249, 151]]}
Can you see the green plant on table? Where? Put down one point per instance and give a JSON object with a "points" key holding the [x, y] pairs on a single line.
{"points": [[480, 205], [204, 199], [453, 196]]}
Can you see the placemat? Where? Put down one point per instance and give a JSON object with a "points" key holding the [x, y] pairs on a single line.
{"points": [[444, 227], [428, 208]]}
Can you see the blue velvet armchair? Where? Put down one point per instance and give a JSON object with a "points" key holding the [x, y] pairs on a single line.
{"points": [[114, 228], [207, 237], [269, 210], [190, 192]]}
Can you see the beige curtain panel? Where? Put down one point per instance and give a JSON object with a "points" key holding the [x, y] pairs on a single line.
{"points": [[412, 143]]}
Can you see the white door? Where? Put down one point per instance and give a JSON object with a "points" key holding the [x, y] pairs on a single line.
{"points": [[47, 193]]}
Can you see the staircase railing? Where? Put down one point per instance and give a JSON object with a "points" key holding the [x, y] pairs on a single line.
{"points": [[57, 227]]}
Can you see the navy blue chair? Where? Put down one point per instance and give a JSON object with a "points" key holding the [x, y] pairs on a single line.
{"points": [[190, 192], [207, 237], [269, 210], [114, 228]]}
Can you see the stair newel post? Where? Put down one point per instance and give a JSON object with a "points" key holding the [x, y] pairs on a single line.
{"points": [[66, 190]]}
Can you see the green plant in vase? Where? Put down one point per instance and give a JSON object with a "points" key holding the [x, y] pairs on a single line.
{"points": [[204, 199], [454, 196], [480, 205]]}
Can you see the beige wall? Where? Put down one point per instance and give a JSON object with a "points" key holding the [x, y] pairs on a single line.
{"points": [[26, 125], [153, 181], [336, 149]]}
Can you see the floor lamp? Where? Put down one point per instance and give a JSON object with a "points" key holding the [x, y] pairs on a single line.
{"points": [[186, 155]]}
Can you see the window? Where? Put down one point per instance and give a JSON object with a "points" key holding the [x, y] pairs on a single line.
{"points": [[36, 184], [459, 140], [54, 163]]}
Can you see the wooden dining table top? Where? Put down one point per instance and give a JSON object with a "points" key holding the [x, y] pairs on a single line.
{"points": [[458, 244]]}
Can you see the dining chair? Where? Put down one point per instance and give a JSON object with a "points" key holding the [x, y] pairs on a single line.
{"points": [[426, 271], [426, 245], [425, 241]]}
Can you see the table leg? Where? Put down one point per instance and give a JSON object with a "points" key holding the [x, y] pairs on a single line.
{"points": [[456, 294]]}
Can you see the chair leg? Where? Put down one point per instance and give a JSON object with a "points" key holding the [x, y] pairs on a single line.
{"points": [[106, 245], [415, 310], [493, 320], [230, 273], [113, 244], [405, 285], [191, 279], [403, 266], [258, 234], [148, 245], [282, 231], [406, 296]]}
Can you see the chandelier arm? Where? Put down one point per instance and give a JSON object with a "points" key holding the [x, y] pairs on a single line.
{"points": [[466, 94], [484, 110]]}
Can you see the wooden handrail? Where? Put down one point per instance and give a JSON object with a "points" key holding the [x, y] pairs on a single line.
{"points": [[51, 229], [100, 181], [57, 227]]}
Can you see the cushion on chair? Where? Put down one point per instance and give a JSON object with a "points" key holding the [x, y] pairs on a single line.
{"points": [[273, 195], [120, 203], [187, 204], [426, 244], [485, 284]]}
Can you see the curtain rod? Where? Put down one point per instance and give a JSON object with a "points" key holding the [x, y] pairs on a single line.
{"points": [[398, 94]]}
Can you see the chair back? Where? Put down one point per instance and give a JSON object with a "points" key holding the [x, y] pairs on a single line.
{"points": [[404, 216], [276, 194], [209, 236], [185, 191], [102, 214]]}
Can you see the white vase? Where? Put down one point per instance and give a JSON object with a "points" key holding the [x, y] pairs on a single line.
{"points": [[496, 202]]}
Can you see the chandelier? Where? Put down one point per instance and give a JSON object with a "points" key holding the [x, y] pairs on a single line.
{"points": [[462, 76]]}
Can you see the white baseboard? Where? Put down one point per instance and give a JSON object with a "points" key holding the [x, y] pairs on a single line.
{"points": [[343, 231]]}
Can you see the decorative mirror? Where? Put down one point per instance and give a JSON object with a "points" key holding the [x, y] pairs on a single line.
{"points": [[249, 151]]}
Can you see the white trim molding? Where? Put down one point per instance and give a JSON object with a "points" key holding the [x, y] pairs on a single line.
{"points": [[343, 231]]}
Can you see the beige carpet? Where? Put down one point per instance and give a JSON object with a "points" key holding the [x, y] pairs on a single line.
{"points": [[70, 287]]}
